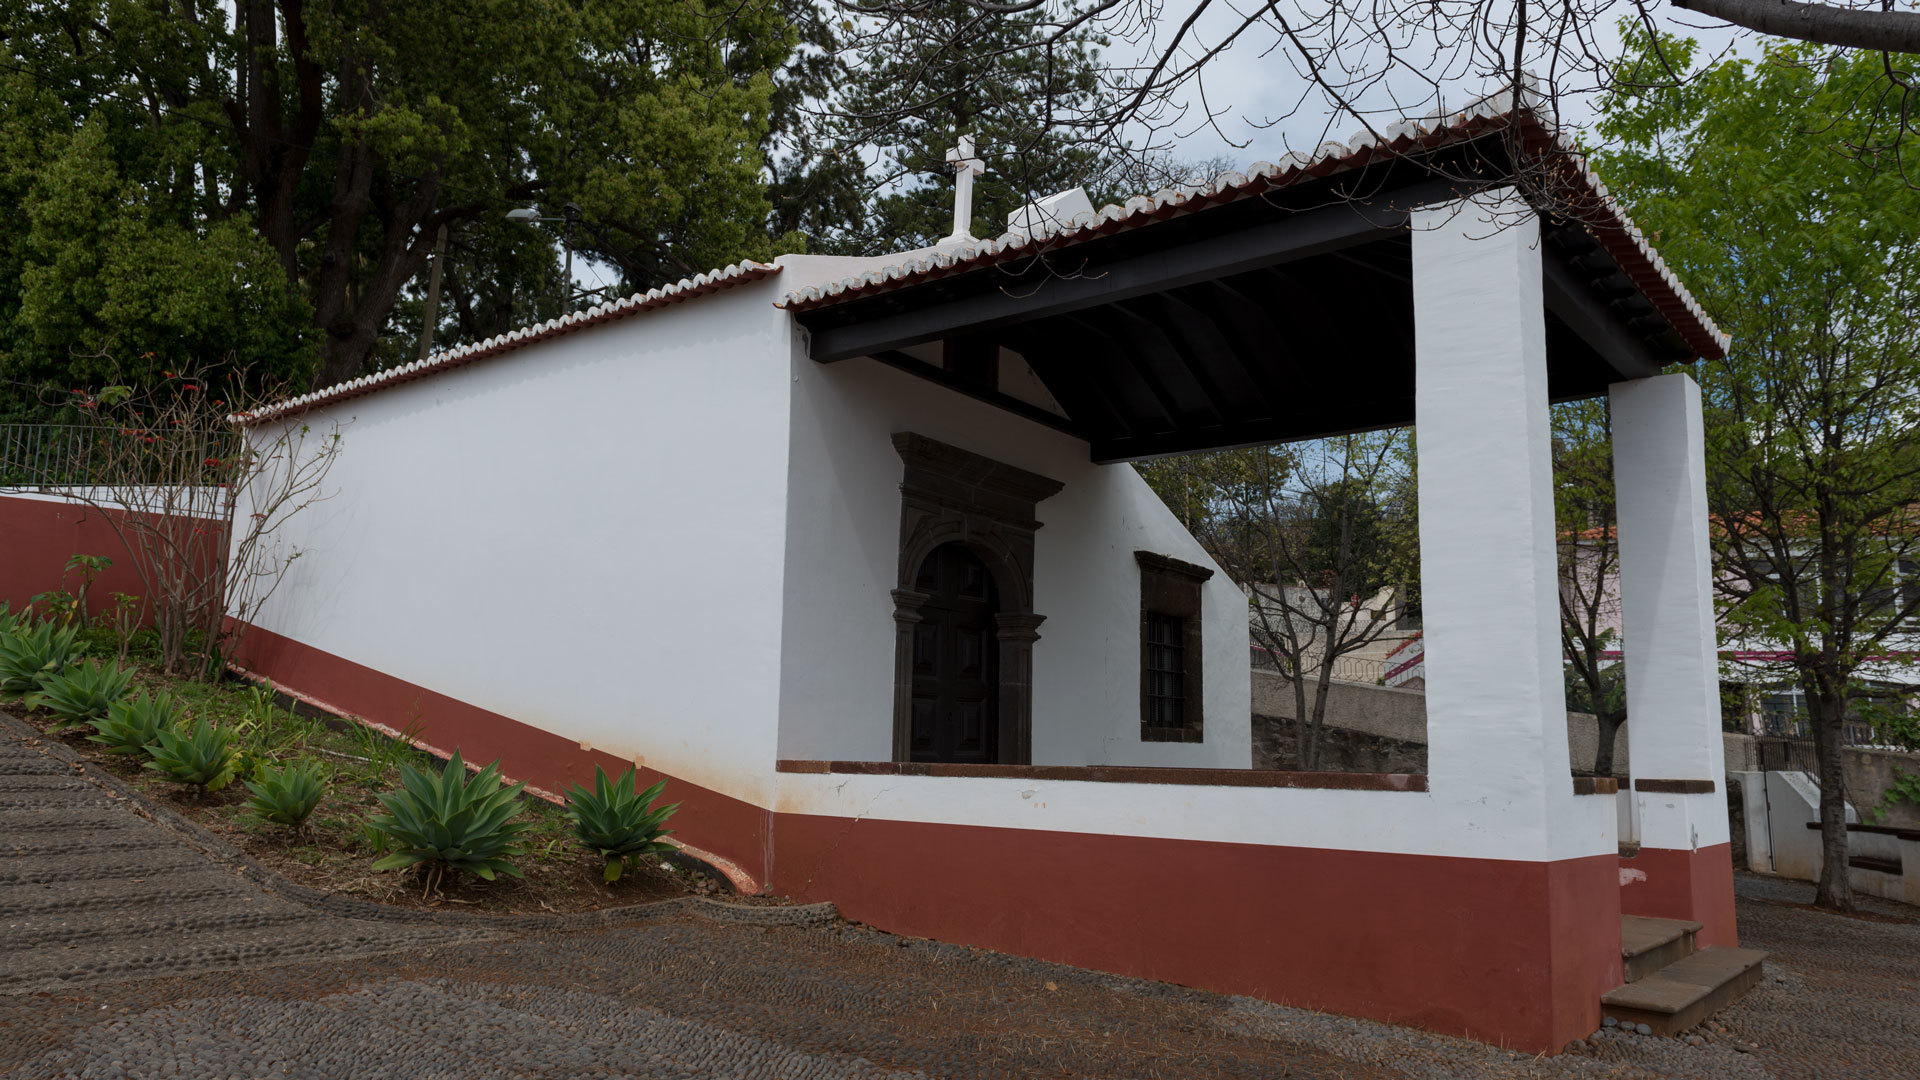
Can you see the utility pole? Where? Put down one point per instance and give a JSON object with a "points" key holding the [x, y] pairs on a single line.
{"points": [[433, 294]]}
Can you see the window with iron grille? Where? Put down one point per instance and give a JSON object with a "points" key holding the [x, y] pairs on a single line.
{"points": [[1170, 701], [1166, 671]]}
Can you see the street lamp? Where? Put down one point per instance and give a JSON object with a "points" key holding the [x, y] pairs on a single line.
{"points": [[527, 215]]}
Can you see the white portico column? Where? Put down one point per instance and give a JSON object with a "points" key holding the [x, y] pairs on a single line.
{"points": [[1496, 701], [1497, 758], [1671, 654]]}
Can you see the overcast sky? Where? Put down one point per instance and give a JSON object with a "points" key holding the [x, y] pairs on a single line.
{"points": [[1253, 88]]}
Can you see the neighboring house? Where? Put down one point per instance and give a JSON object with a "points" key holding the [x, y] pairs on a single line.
{"points": [[1272, 608], [1758, 693], [992, 692]]}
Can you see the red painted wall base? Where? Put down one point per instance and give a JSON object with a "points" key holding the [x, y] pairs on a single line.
{"points": [[707, 819], [38, 536], [1692, 885], [1513, 953]]}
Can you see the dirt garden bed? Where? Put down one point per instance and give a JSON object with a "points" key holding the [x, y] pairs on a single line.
{"points": [[334, 853]]}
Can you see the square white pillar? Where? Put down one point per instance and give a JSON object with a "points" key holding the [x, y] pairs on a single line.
{"points": [[1496, 700], [1666, 613]]}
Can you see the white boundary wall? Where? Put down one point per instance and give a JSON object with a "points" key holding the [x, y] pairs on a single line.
{"points": [[584, 535]]}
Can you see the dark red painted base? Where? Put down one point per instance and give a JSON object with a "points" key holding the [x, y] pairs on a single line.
{"points": [[1508, 952], [707, 819], [38, 536], [1692, 885], [1513, 953]]}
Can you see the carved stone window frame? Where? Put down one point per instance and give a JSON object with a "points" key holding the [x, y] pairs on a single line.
{"points": [[950, 495], [1172, 587]]}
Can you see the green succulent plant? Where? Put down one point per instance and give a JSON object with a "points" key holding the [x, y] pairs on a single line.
{"points": [[29, 652], [201, 756], [452, 821], [287, 794], [82, 692], [133, 724], [616, 822]]}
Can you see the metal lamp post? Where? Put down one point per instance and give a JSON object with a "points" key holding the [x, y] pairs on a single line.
{"points": [[527, 215]]}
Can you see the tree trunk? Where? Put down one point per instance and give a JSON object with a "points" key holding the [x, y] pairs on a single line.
{"points": [[1302, 718], [1608, 724], [1312, 763], [1828, 714]]}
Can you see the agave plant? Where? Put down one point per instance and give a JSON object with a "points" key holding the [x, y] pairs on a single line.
{"points": [[287, 794], [617, 823], [134, 724], [452, 821], [81, 693], [28, 653], [202, 756]]}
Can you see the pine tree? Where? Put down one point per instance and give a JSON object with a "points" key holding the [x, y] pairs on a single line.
{"points": [[909, 97]]}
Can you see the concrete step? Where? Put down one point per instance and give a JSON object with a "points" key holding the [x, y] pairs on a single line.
{"points": [[1647, 945], [1687, 991]]}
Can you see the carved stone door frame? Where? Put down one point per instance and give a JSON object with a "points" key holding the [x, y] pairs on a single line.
{"points": [[950, 495]]}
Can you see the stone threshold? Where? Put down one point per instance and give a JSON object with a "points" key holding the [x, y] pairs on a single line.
{"points": [[1119, 774]]}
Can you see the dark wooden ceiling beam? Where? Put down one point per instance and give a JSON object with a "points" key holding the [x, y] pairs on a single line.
{"points": [[1172, 365], [1111, 356], [858, 328], [1594, 321], [915, 366], [1217, 360], [1063, 369], [1262, 345]]}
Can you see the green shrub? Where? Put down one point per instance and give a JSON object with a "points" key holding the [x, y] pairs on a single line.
{"points": [[452, 821], [202, 756], [30, 652], [286, 794], [81, 693], [617, 823], [134, 724]]}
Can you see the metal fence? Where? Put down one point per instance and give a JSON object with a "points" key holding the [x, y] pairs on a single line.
{"points": [[48, 455], [1353, 669], [78, 455]]}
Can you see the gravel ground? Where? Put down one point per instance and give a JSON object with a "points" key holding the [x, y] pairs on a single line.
{"points": [[691, 990]]}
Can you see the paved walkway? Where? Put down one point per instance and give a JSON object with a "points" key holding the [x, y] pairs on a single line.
{"points": [[137, 947]]}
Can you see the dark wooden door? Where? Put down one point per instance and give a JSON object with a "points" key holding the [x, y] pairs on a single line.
{"points": [[956, 685]]}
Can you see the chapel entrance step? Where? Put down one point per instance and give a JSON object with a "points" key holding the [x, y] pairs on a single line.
{"points": [[1647, 945], [1686, 992]]}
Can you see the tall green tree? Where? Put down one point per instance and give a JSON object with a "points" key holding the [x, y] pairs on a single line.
{"points": [[915, 87], [344, 135], [1807, 251]]}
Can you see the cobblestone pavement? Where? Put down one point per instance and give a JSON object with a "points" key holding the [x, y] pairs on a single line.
{"points": [[167, 986]]}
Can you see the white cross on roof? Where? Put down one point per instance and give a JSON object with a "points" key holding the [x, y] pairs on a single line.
{"points": [[965, 168]]}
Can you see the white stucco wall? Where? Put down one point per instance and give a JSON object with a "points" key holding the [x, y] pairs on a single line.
{"points": [[836, 697], [585, 535]]}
